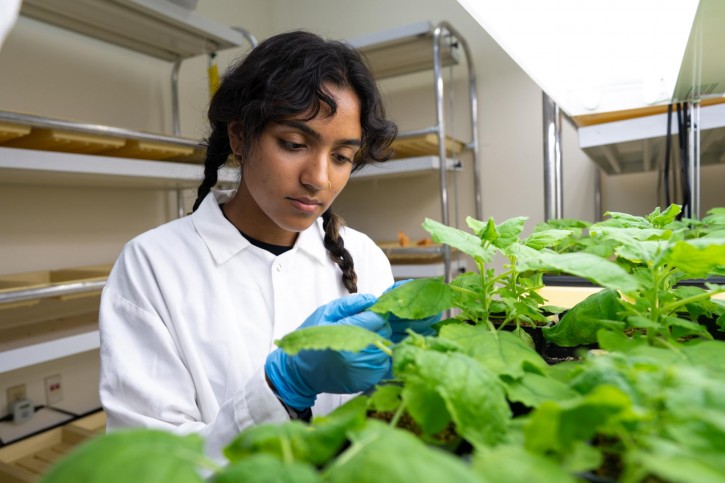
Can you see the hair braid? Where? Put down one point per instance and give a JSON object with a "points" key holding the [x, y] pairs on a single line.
{"points": [[217, 152], [335, 246]]}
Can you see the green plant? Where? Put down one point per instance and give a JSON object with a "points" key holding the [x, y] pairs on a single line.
{"points": [[661, 254], [512, 294], [633, 414]]}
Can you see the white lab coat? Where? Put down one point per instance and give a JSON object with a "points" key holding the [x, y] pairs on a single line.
{"points": [[190, 311]]}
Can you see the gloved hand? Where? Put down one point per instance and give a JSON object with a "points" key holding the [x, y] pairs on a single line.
{"points": [[299, 378], [400, 326]]}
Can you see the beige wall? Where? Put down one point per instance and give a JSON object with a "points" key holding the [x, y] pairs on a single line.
{"points": [[52, 72]]}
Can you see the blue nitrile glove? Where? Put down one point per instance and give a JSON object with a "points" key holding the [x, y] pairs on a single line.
{"points": [[400, 326], [300, 378]]}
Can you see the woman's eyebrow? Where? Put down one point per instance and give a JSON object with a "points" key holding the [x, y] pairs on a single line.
{"points": [[312, 133]]}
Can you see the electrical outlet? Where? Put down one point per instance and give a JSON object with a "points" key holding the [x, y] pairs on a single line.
{"points": [[16, 393], [53, 389]]}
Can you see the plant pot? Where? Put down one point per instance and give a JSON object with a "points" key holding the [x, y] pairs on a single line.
{"points": [[554, 354]]}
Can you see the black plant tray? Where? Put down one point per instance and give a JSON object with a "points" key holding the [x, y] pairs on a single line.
{"points": [[574, 281]]}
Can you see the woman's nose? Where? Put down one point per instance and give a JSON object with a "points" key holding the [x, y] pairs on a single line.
{"points": [[315, 174]]}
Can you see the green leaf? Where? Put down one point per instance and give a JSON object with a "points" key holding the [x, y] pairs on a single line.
{"points": [[474, 397], [672, 465], [137, 455], [509, 231], [625, 220], [533, 389], [286, 441], [425, 404], [598, 270], [500, 352], [562, 224], [707, 354], [513, 464], [265, 468], [647, 252], [334, 337], [641, 322], [467, 243], [580, 325], [627, 236], [380, 453], [660, 220], [314, 443], [618, 341], [386, 397], [543, 239], [559, 425], [682, 327], [698, 258], [486, 231], [417, 299]]}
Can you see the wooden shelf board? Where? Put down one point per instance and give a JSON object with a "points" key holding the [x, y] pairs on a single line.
{"points": [[26, 460], [425, 145], [605, 117]]}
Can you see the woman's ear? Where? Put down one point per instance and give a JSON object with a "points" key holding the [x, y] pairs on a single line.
{"points": [[234, 131]]}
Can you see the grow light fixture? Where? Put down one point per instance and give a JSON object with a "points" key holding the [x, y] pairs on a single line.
{"points": [[594, 56]]}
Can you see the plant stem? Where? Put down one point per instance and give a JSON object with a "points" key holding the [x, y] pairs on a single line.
{"points": [[669, 308], [287, 455], [668, 345], [484, 290], [204, 462], [383, 348], [654, 305], [463, 290], [398, 413]]}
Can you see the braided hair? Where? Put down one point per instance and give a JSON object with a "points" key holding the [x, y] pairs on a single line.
{"points": [[285, 76]]}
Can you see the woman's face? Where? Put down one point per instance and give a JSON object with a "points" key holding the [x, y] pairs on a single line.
{"points": [[296, 170]]}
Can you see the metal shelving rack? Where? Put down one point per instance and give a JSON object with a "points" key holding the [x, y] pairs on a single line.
{"points": [[423, 47], [157, 28]]}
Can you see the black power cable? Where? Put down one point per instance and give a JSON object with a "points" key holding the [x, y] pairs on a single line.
{"points": [[667, 156], [683, 124]]}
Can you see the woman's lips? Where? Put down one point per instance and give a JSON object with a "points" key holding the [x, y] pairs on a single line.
{"points": [[305, 205]]}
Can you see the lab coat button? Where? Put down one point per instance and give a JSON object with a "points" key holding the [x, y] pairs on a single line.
{"points": [[278, 267]]}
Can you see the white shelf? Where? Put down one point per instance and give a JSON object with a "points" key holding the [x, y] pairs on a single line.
{"points": [[158, 28], [404, 50], [405, 167], [47, 351], [26, 166], [637, 144]]}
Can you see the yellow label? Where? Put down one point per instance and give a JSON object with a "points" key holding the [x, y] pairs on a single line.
{"points": [[213, 79]]}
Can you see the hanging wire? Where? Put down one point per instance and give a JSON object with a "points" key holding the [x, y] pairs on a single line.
{"points": [[683, 126], [668, 141]]}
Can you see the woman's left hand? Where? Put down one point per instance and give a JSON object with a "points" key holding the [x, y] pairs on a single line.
{"points": [[400, 325]]}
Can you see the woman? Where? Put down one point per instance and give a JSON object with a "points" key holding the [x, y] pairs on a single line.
{"points": [[191, 309]]}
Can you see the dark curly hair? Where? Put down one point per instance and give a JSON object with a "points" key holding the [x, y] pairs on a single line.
{"points": [[286, 76]]}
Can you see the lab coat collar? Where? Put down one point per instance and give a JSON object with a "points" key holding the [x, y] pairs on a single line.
{"points": [[221, 237], [224, 240]]}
